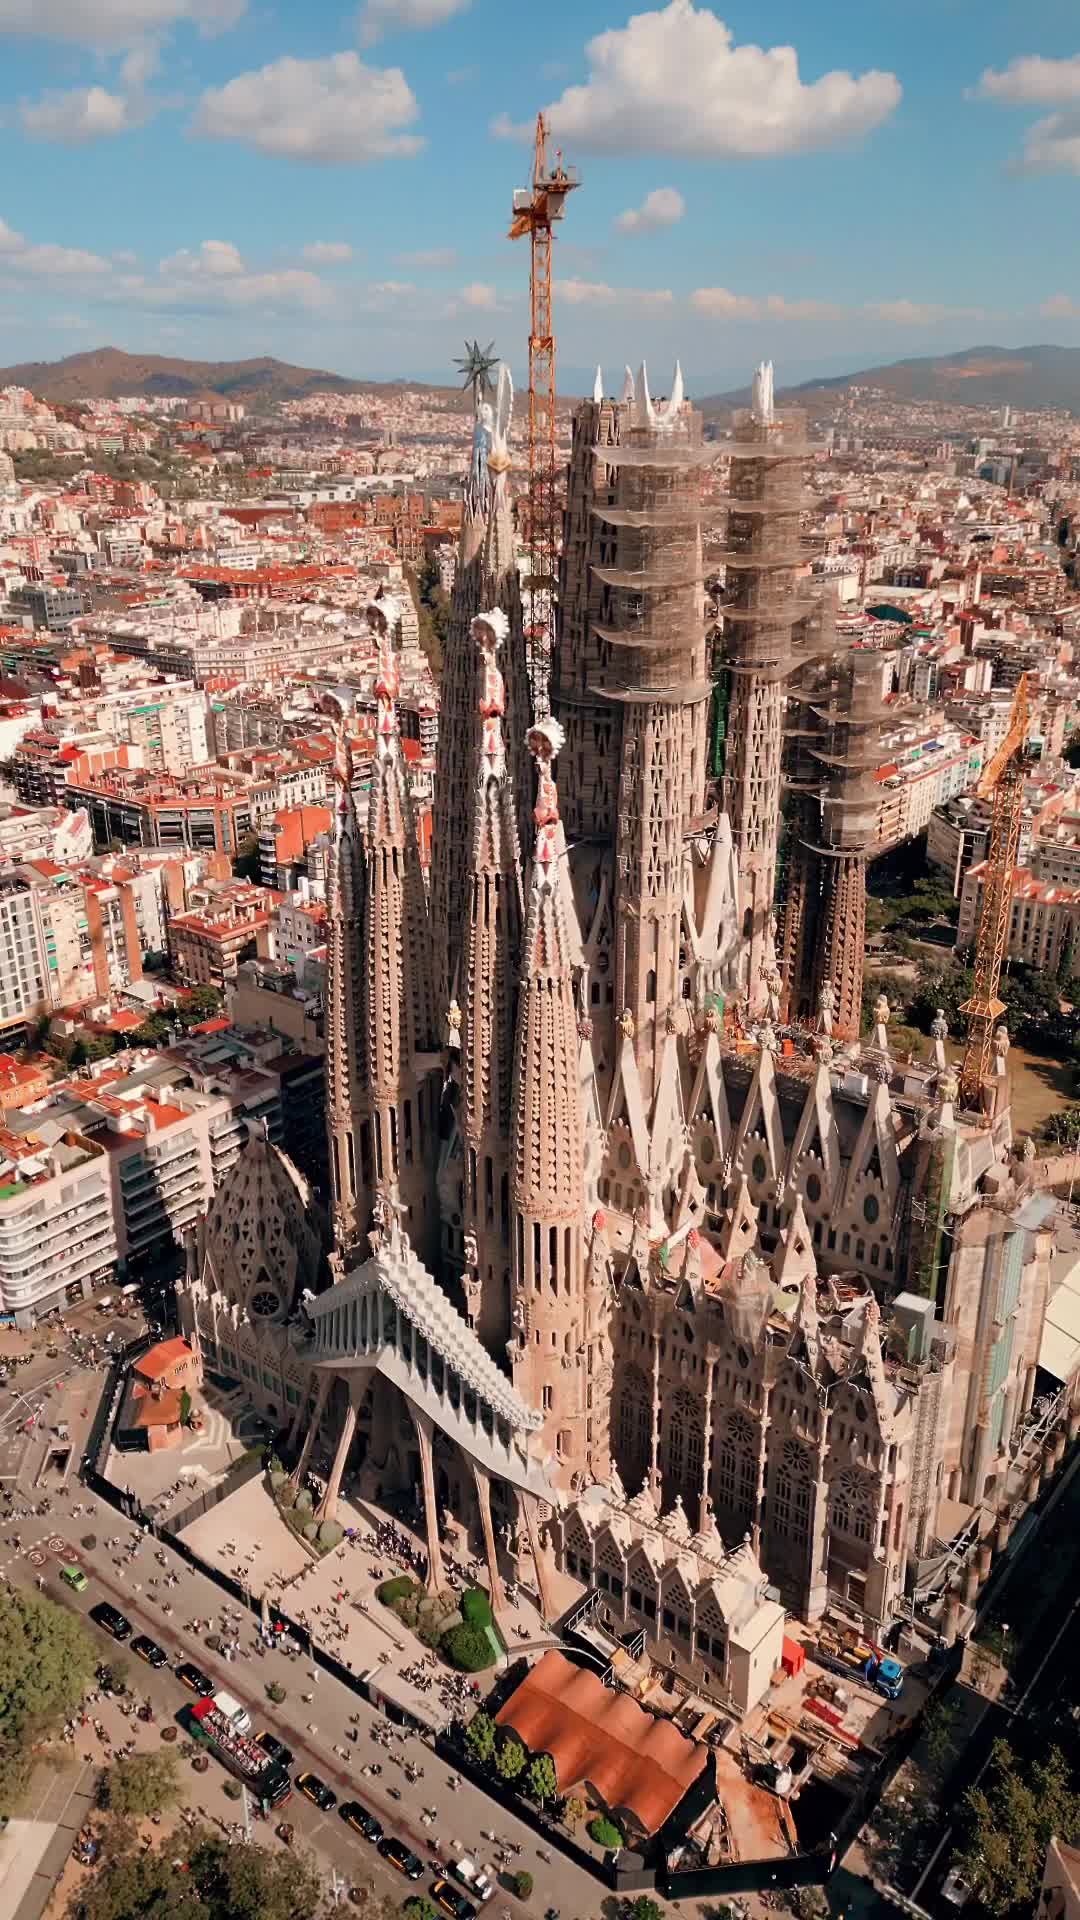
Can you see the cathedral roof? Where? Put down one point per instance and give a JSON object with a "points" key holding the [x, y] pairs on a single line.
{"points": [[261, 1231]]}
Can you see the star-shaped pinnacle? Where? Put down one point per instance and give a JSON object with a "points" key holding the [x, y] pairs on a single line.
{"points": [[476, 367]]}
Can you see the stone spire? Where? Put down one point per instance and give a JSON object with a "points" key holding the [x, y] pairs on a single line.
{"points": [[486, 577], [489, 974], [397, 1145], [346, 887], [547, 1179]]}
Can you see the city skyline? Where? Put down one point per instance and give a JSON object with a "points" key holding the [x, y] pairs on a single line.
{"points": [[335, 189]]}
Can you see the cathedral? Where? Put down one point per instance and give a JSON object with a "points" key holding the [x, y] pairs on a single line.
{"points": [[643, 1260]]}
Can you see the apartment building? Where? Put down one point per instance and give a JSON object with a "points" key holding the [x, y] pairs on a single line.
{"points": [[921, 775], [209, 809], [44, 833], [1044, 925], [24, 992], [233, 923], [111, 1172], [284, 842], [58, 1240]]}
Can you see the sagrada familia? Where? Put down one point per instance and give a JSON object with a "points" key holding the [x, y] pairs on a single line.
{"points": [[646, 1264]]}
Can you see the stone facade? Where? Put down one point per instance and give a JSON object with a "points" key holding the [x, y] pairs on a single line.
{"points": [[688, 1241]]}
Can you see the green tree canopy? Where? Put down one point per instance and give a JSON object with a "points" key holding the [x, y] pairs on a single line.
{"points": [[1010, 1822], [468, 1647], [142, 1783], [542, 1782], [510, 1759], [47, 1661], [222, 1882], [480, 1737]]}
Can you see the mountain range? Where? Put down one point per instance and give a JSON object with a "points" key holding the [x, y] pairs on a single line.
{"points": [[105, 373], [1027, 377]]}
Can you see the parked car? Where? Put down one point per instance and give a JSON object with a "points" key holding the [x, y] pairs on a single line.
{"points": [[111, 1619], [75, 1578], [149, 1651], [360, 1820], [316, 1791], [195, 1679], [453, 1903], [401, 1857]]}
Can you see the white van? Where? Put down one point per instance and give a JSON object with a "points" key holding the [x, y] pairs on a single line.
{"points": [[232, 1709]]}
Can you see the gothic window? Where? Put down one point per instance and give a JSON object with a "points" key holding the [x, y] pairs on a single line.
{"points": [[683, 1441], [736, 1464], [789, 1502], [813, 1189], [633, 1430], [851, 1504]]}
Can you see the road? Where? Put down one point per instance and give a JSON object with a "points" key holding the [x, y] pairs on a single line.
{"points": [[318, 1727], [1035, 1611]]}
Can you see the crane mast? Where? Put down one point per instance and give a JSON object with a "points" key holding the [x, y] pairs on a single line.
{"points": [[1003, 783], [535, 210]]}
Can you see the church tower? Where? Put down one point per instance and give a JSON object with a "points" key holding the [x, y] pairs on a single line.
{"points": [[547, 1179], [489, 977], [346, 886], [401, 1057], [486, 577]]}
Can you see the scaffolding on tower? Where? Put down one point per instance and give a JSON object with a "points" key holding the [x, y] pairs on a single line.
{"points": [[1003, 783], [535, 210]]}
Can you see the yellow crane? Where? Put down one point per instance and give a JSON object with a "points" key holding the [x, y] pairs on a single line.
{"points": [[1002, 783]]}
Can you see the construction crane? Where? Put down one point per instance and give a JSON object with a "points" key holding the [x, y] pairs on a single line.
{"points": [[1002, 783], [535, 210]]}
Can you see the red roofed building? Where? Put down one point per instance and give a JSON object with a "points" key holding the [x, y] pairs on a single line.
{"points": [[207, 944]]}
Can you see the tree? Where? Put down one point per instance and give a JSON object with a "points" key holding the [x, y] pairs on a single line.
{"points": [[185, 1408], [143, 1783], [221, 1882], [467, 1648], [542, 1782], [1010, 1822], [46, 1664], [1063, 1127], [646, 1909], [523, 1883], [574, 1812], [246, 864], [480, 1737], [510, 1759], [605, 1833], [419, 1907]]}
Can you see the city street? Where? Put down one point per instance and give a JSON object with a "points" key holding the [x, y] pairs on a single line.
{"points": [[316, 1720]]}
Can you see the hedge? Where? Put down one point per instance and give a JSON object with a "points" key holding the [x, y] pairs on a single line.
{"points": [[605, 1833], [476, 1607], [468, 1648], [399, 1588]]}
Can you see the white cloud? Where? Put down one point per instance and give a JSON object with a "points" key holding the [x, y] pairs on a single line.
{"points": [[327, 253], [673, 81], [1060, 307], [917, 313], [663, 207], [80, 115], [332, 112], [113, 23], [46, 259], [596, 293], [479, 295], [429, 257], [377, 17], [1052, 145], [215, 257], [721, 304], [1032, 81]]}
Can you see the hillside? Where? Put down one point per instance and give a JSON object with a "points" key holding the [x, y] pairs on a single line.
{"points": [[1028, 377], [105, 373]]}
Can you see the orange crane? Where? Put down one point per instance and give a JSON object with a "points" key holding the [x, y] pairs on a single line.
{"points": [[1003, 783], [535, 210]]}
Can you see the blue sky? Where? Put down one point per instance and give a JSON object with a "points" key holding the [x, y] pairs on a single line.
{"points": [[829, 181]]}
